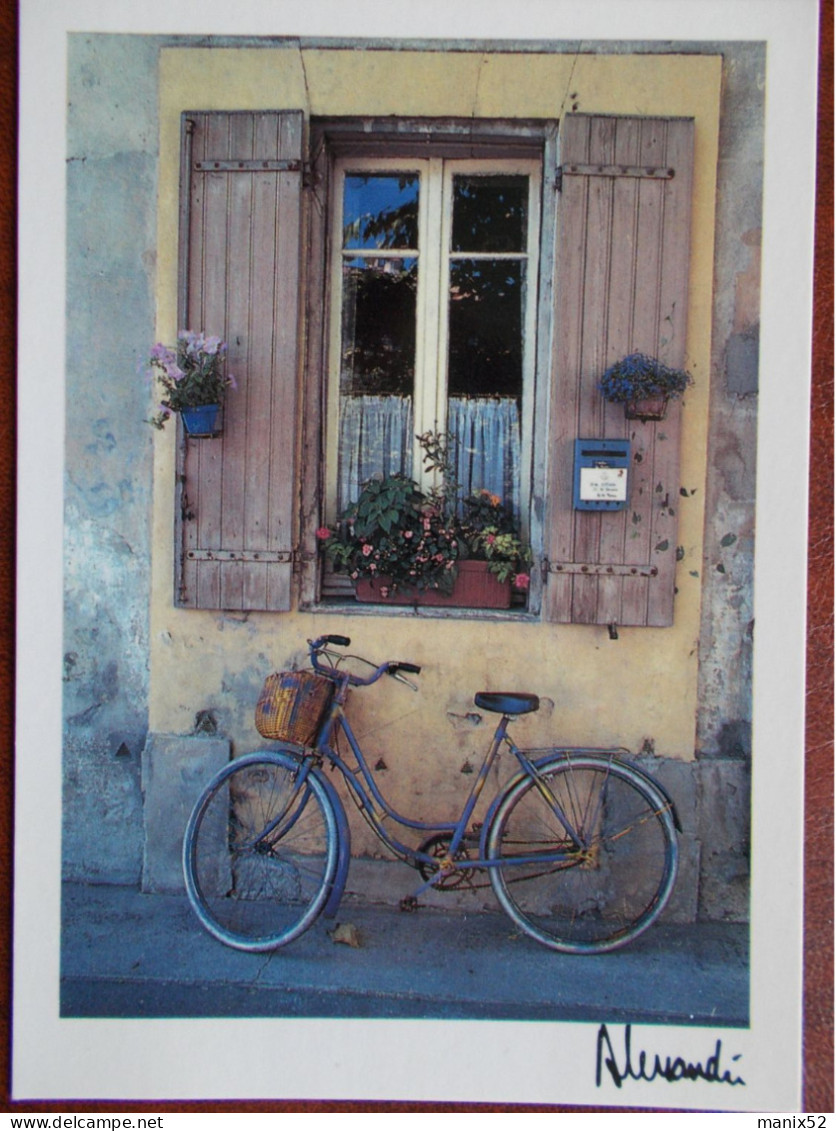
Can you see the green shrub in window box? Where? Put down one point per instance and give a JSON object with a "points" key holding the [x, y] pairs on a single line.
{"points": [[403, 544]]}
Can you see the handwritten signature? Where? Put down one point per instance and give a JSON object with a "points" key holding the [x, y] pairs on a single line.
{"points": [[642, 1065]]}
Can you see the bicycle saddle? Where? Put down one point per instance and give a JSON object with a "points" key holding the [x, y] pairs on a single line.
{"points": [[507, 703]]}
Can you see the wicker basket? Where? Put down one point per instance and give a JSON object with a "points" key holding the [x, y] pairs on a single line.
{"points": [[292, 705]]}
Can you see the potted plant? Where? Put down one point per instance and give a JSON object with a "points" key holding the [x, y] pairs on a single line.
{"points": [[644, 385], [394, 543], [490, 536], [400, 545], [193, 381]]}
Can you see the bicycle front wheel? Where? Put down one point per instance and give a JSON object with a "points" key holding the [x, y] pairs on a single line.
{"points": [[587, 854], [260, 852]]}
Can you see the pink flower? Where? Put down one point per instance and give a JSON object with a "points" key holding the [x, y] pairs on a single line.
{"points": [[490, 539], [323, 533], [367, 549], [407, 534], [521, 581]]}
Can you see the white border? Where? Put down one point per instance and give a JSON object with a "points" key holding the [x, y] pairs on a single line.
{"points": [[182, 1059]]}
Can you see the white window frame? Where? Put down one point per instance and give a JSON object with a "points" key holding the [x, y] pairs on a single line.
{"points": [[432, 307]]}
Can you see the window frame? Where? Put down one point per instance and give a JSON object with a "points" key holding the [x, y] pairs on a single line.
{"points": [[335, 143], [432, 314]]}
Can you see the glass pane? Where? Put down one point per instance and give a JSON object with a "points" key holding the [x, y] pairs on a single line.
{"points": [[377, 371], [380, 210], [485, 328], [378, 326], [485, 366], [489, 213]]}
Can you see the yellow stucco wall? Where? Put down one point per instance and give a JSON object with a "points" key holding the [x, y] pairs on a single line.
{"points": [[642, 687]]}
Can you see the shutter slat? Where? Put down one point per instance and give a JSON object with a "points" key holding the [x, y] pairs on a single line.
{"points": [[622, 258], [244, 223]]}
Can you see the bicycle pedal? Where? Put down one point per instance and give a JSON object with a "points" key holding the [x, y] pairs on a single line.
{"points": [[409, 903]]}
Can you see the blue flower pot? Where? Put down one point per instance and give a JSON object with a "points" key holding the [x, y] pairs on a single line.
{"points": [[201, 420]]}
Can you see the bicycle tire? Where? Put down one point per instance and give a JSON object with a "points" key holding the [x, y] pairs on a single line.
{"points": [[602, 894], [260, 852]]}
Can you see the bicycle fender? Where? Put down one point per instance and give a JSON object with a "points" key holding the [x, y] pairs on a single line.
{"points": [[556, 756], [292, 756], [344, 853]]}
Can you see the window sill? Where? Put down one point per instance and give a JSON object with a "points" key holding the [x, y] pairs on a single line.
{"points": [[344, 607]]}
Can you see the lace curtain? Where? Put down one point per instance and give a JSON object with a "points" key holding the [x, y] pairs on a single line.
{"points": [[377, 436]]}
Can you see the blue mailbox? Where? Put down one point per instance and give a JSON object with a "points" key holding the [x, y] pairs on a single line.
{"points": [[601, 474]]}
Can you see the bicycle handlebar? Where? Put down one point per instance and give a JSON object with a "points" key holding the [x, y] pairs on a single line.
{"points": [[390, 667]]}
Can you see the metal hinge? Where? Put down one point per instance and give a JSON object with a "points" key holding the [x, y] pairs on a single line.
{"points": [[297, 558], [597, 569], [648, 171], [258, 165]]}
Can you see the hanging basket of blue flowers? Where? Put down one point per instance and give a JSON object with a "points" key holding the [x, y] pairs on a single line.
{"points": [[644, 385]]}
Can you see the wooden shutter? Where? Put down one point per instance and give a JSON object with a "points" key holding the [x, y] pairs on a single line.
{"points": [[241, 185], [621, 285]]}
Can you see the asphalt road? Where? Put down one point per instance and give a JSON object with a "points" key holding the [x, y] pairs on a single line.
{"points": [[129, 954]]}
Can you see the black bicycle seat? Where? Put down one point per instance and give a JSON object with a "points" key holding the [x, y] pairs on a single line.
{"points": [[507, 702]]}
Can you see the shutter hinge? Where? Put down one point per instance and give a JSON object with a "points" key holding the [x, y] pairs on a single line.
{"points": [[259, 165], [597, 569], [651, 172], [300, 558]]}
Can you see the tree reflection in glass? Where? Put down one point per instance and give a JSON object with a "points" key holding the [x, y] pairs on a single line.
{"points": [[486, 298], [379, 295]]}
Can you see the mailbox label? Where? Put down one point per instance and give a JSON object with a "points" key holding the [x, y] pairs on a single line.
{"points": [[603, 484]]}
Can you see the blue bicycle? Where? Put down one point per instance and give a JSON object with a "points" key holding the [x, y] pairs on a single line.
{"points": [[579, 847]]}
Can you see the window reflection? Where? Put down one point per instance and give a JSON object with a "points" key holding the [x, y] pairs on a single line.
{"points": [[485, 328], [378, 326], [380, 211], [489, 213]]}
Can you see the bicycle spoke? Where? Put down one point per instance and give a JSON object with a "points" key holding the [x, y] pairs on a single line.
{"points": [[608, 880], [260, 853]]}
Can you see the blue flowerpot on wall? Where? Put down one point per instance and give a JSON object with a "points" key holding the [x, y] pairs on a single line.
{"points": [[201, 420]]}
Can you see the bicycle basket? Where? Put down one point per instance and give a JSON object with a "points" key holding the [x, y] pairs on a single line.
{"points": [[292, 706]]}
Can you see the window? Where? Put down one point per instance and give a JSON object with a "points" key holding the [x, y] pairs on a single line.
{"points": [[432, 325], [467, 275]]}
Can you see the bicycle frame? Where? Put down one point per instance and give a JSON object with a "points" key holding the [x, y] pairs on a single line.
{"points": [[375, 808]]}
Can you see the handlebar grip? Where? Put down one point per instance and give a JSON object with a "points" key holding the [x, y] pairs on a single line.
{"points": [[399, 667], [343, 641]]}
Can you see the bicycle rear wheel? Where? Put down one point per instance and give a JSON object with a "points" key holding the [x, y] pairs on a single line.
{"points": [[596, 882], [260, 852]]}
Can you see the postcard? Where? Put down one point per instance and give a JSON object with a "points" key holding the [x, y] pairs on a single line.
{"points": [[427, 727]]}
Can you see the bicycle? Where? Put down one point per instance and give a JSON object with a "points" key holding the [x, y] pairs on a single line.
{"points": [[579, 846]]}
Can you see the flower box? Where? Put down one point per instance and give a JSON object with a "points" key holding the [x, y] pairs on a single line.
{"points": [[475, 587], [201, 420], [646, 408]]}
